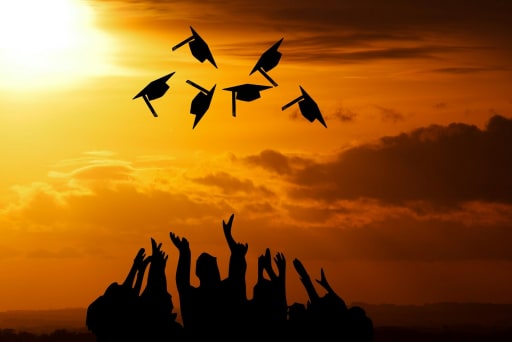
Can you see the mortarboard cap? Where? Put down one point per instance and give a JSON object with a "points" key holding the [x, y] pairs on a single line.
{"points": [[268, 60], [201, 102], [308, 107], [245, 92], [154, 90], [198, 47]]}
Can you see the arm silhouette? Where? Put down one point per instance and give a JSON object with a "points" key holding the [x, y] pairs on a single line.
{"points": [[237, 262], [325, 284], [184, 261], [141, 269], [280, 280], [128, 282], [306, 281], [267, 258], [156, 276]]}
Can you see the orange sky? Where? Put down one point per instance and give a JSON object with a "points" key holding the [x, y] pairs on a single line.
{"points": [[405, 197]]}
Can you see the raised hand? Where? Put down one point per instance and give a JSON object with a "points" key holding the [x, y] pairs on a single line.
{"points": [[142, 264], [323, 281], [158, 257], [306, 281], [280, 263], [141, 269], [301, 270], [227, 231], [235, 247], [181, 244], [139, 258], [268, 265]]}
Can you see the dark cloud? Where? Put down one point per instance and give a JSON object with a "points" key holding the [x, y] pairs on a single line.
{"points": [[390, 115], [229, 184], [343, 115], [467, 70], [345, 31], [327, 49], [447, 164], [440, 105], [443, 165], [276, 162]]}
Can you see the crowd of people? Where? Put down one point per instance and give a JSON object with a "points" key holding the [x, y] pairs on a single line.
{"points": [[219, 308]]}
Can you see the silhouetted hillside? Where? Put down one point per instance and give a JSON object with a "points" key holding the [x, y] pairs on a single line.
{"points": [[44, 321]]}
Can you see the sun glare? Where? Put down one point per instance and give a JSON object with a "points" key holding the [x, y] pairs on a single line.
{"points": [[49, 42]]}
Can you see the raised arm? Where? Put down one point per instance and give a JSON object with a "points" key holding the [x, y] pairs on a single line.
{"points": [[237, 262], [282, 302], [268, 265], [281, 266], [128, 282], [141, 269], [325, 284], [306, 281], [156, 277], [184, 260]]}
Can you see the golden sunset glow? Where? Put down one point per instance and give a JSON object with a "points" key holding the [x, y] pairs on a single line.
{"points": [[408, 183], [49, 42]]}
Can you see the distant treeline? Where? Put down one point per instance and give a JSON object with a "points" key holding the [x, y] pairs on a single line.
{"points": [[11, 335], [382, 334]]}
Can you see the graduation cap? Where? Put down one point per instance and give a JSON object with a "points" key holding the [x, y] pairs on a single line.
{"points": [[198, 47], [268, 61], [201, 102], [154, 90], [308, 107], [245, 92]]}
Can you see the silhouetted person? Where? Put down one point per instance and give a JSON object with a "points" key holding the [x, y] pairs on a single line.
{"points": [[216, 308], [157, 319], [327, 315], [113, 316], [268, 307]]}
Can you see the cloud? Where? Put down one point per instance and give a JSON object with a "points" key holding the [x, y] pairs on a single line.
{"points": [[440, 105], [468, 70], [390, 115], [343, 115], [275, 161], [443, 165], [99, 172], [229, 184], [332, 31], [434, 193]]}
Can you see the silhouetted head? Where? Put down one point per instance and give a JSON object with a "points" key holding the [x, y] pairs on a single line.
{"points": [[360, 326], [207, 270]]}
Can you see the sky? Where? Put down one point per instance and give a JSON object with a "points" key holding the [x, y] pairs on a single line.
{"points": [[404, 198]]}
